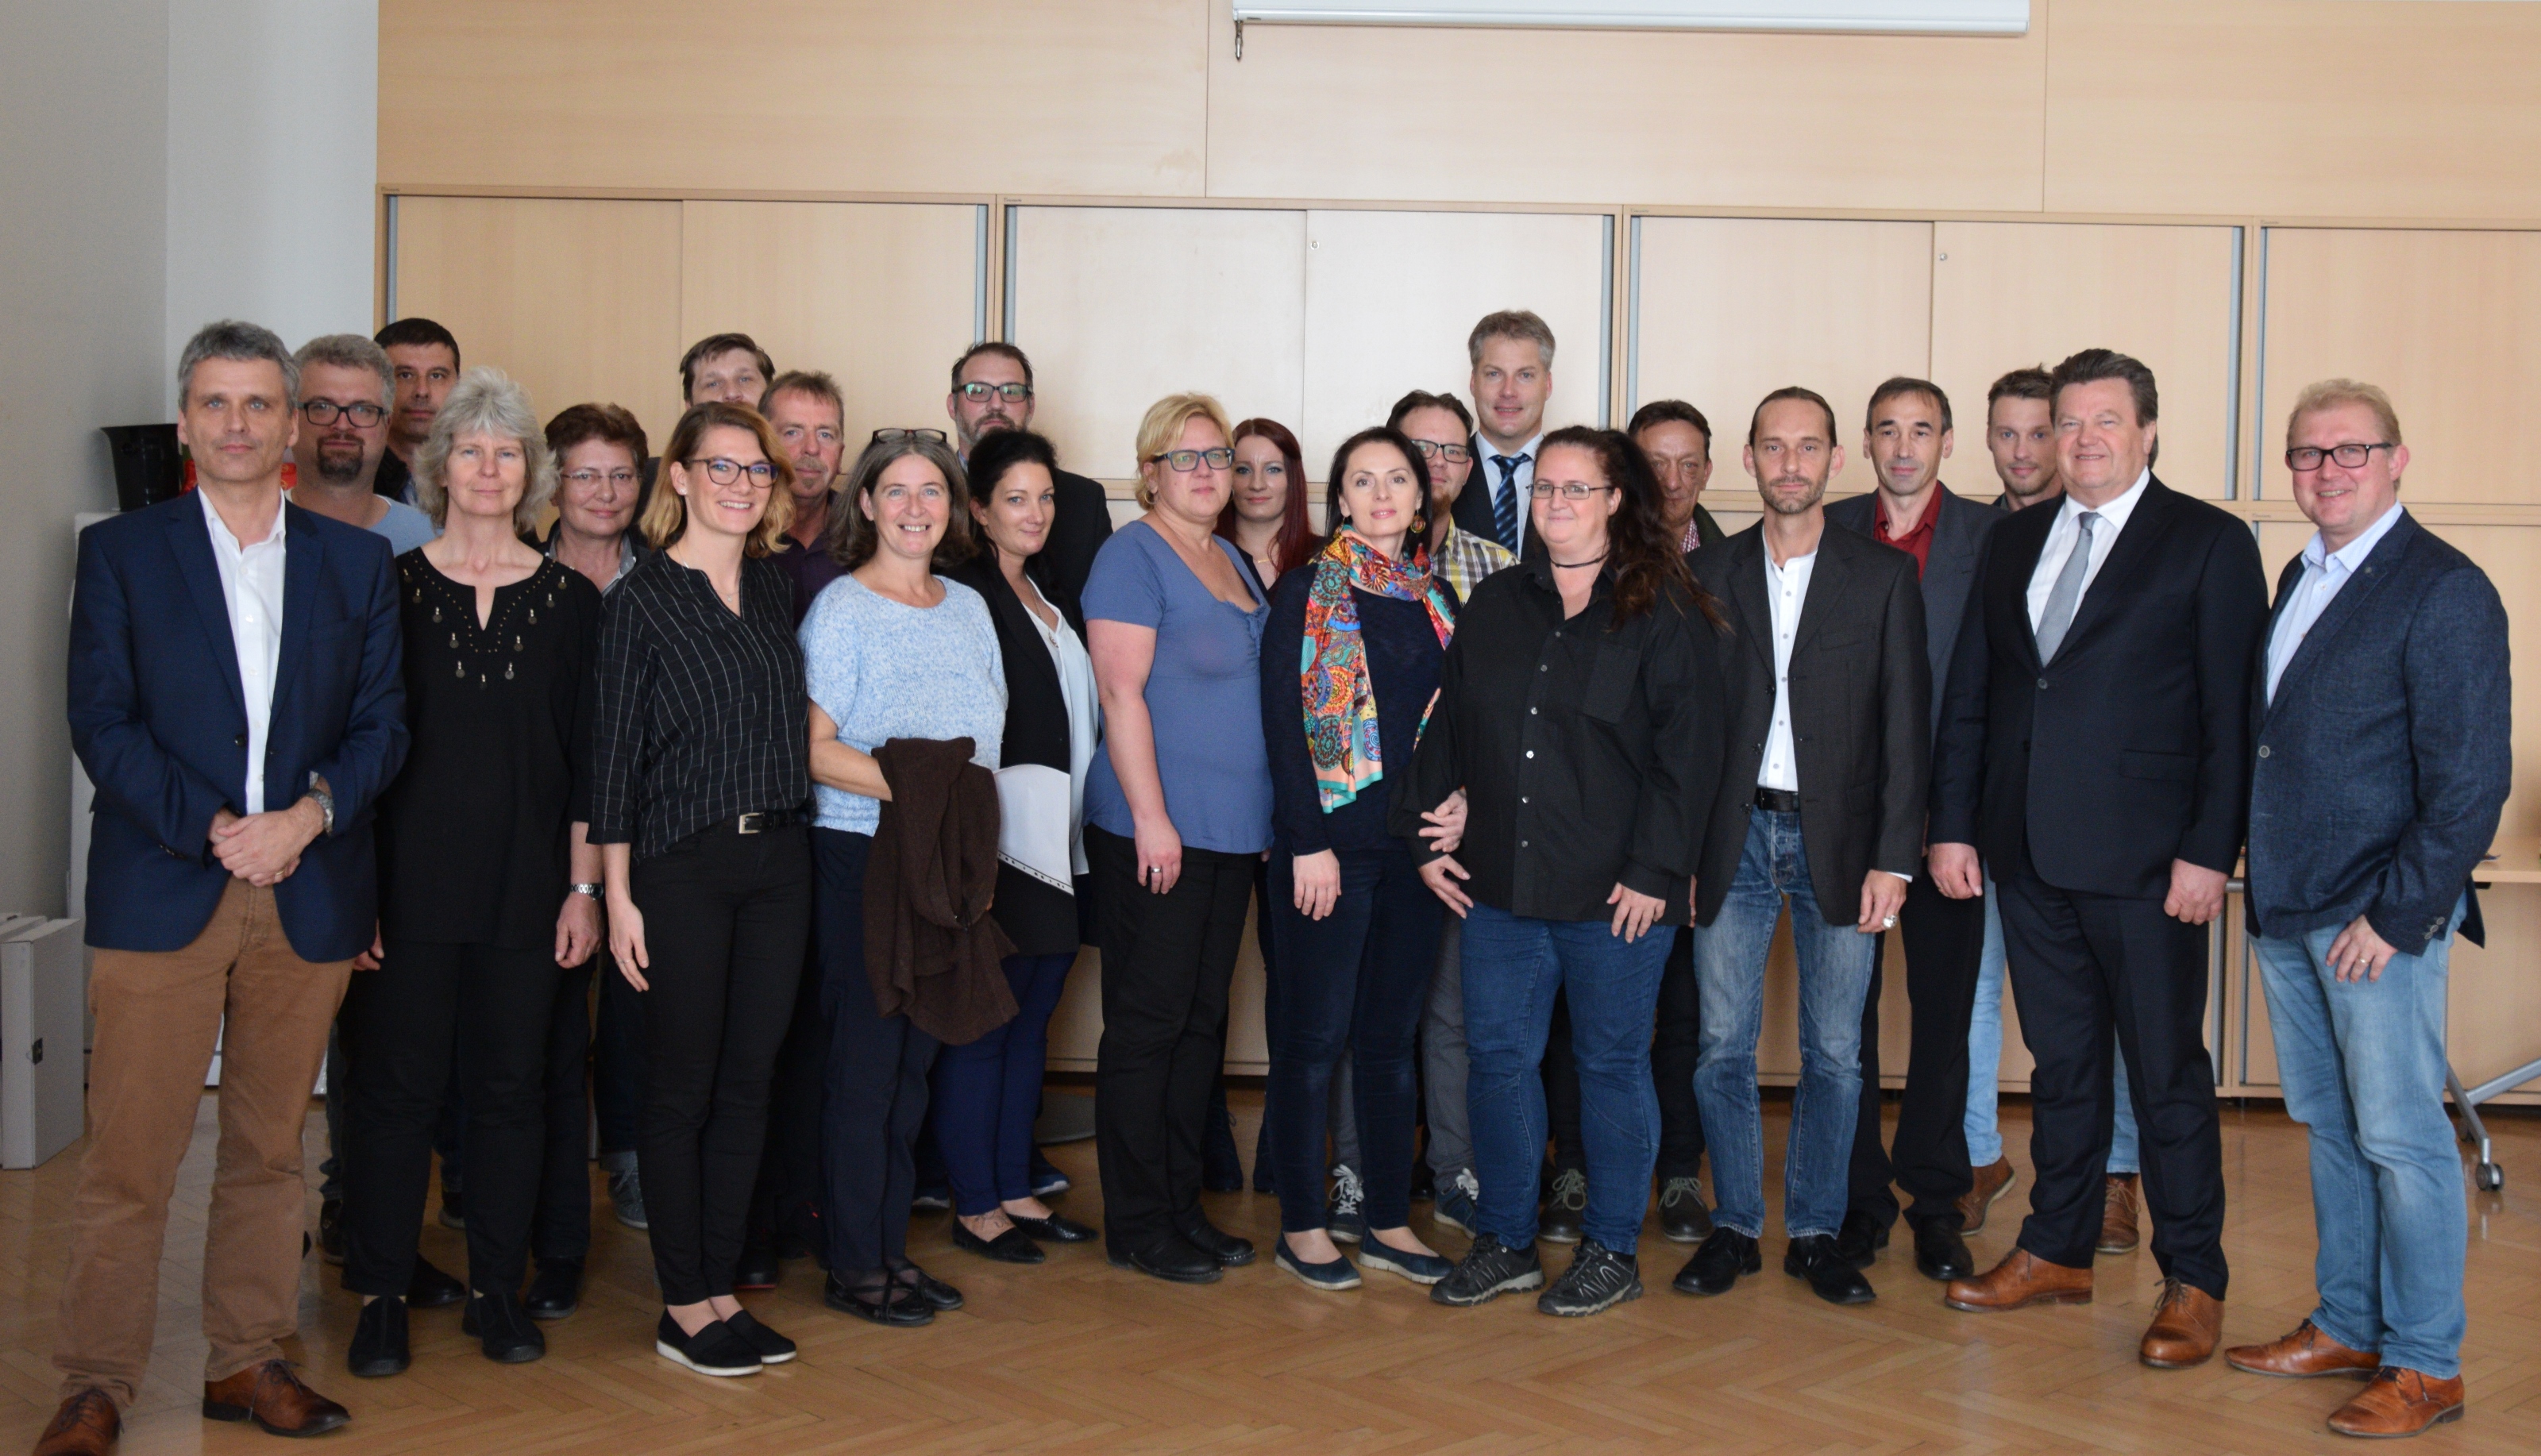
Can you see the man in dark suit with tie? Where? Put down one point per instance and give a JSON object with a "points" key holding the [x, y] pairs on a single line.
{"points": [[2385, 715], [235, 697], [1511, 352], [993, 389], [2094, 751], [1821, 804], [1906, 435]]}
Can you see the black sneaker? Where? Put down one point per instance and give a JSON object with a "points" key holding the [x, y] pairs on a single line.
{"points": [[1344, 1216], [1819, 1261], [715, 1349], [1488, 1270], [1683, 1217], [1047, 1180], [503, 1328], [379, 1343], [1598, 1279], [1565, 1203], [773, 1349], [1716, 1265]]}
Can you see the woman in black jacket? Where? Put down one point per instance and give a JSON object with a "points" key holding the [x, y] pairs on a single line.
{"points": [[987, 1092]]}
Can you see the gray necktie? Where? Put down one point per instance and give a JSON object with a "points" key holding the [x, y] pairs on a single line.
{"points": [[2067, 594]]}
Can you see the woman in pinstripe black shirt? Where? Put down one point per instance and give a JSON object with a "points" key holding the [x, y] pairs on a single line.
{"points": [[701, 783]]}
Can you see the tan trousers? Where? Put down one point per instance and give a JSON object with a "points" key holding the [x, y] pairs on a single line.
{"points": [[159, 1015]]}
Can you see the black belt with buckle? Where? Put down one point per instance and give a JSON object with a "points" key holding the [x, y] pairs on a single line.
{"points": [[752, 824], [1777, 801]]}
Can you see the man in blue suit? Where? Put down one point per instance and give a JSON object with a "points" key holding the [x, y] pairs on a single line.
{"points": [[2382, 719], [235, 697]]}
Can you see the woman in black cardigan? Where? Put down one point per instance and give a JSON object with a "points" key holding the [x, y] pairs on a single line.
{"points": [[987, 1092]]}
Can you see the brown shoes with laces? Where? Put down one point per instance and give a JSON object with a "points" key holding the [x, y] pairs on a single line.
{"points": [[271, 1395], [2118, 1233], [2187, 1325], [2399, 1403], [86, 1425], [2021, 1280], [2305, 1354], [1992, 1181]]}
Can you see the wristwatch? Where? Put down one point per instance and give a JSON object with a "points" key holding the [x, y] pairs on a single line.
{"points": [[591, 890], [325, 803]]}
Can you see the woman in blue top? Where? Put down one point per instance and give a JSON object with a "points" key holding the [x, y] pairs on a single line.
{"points": [[889, 650], [1177, 812], [1350, 666]]}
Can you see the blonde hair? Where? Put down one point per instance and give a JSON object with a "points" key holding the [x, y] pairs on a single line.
{"points": [[486, 402], [666, 515], [2332, 393], [1163, 427]]}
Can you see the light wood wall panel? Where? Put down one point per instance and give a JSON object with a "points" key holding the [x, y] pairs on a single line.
{"points": [[1654, 119], [2449, 322], [2009, 294], [1121, 306], [1105, 97], [883, 296], [1731, 308], [577, 299], [2295, 107], [1392, 296]]}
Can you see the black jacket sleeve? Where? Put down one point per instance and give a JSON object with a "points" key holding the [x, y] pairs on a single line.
{"points": [[1684, 695], [1959, 746], [1905, 728], [2232, 623]]}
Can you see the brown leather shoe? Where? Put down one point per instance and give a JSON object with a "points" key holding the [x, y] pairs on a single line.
{"points": [[86, 1425], [272, 1395], [2187, 1325], [1992, 1181], [2022, 1279], [2399, 1403], [2305, 1354], [2118, 1217]]}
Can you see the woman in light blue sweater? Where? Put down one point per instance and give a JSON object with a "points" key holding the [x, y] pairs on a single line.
{"points": [[891, 650]]}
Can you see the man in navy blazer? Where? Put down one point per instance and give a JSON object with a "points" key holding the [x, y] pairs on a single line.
{"points": [[235, 697], [2094, 750], [2383, 720]]}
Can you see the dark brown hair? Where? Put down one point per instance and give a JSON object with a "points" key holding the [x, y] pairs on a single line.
{"points": [[998, 347], [853, 538], [2031, 382], [1904, 385], [609, 423], [719, 344], [1379, 435], [1641, 552], [2091, 366], [1791, 392], [1423, 400], [1296, 539], [1665, 411]]}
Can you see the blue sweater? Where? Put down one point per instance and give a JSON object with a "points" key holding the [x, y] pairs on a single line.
{"points": [[881, 670]]}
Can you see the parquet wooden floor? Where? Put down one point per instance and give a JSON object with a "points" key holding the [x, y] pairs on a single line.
{"points": [[1076, 1357]]}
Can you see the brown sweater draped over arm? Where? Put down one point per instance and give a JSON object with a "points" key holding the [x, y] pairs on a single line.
{"points": [[931, 948]]}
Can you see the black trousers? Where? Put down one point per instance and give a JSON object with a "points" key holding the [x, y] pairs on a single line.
{"points": [[1944, 946], [616, 1060], [725, 914], [2081, 964], [1167, 960], [562, 1227], [873, 1077], [398, 1027], [784, 1207], [1673, 1052]]}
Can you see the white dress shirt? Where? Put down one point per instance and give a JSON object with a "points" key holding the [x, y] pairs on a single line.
{"points": [[252, 585], [1520, 480], [1787, 591], [2324, 573], [2062, 536]]}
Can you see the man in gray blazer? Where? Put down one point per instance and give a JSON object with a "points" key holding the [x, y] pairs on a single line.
{"points": [[1821, 802], [2382, 718], [1907, 434]]}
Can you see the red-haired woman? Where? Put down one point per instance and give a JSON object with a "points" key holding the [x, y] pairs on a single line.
{"points": [[1266, 517]]}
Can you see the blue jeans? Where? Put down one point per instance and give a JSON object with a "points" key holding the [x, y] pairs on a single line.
{"points": [[1835, 978], [1512, 967], [2363, 1064], [1985, 1063]]}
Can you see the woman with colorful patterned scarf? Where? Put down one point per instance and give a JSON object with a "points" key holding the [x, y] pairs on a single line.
{"points": [[1350, 665]]}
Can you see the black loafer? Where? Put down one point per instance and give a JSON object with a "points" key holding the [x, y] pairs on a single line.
{"points": [[716, 1349], [502, 1327], [430, 1288], [1858, 1241], [1940, 1254], [772, 1348], [934, 1292], [1716, 1265], [877, 1304], [1057, 1228], [1229, 1251], [378, 1346], [555, 1292], [1174, 1259], [757, 1267], [1831, 1275], [1012, 1246]]}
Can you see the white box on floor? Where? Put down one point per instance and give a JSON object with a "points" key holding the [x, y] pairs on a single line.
{"points": [[44, 1067]]}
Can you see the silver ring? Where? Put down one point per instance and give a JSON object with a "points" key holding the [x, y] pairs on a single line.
{"points": [[1889, 923]]}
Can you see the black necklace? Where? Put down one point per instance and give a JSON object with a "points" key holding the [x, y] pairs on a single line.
{"points": [[1574, 565]]}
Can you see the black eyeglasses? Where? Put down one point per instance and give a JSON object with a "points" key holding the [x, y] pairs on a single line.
{"points": [[1012, 393], [1570, 489], [2351, 455], [1184, 462], [1452, 453], [324, 411], [889, 436], [724, 472]]}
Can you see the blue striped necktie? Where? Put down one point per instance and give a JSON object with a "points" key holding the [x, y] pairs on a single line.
{"points": [[1504, 503]]}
